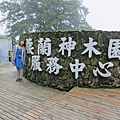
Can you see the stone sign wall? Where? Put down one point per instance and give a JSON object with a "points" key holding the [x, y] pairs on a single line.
{"points": [[64, 59]]}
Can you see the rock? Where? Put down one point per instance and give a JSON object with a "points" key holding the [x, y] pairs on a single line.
{"points": [[65, 80]]}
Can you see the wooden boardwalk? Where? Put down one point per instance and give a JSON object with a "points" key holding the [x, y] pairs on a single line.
{"points": [[86, 104], [28, 101]]}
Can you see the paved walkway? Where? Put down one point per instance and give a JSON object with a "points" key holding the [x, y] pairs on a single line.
{"points": [[86, 104], [28, 101], [25, 100]]}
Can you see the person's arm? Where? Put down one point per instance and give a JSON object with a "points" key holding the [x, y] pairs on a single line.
{"points": [[24, 55], [13, 56]]}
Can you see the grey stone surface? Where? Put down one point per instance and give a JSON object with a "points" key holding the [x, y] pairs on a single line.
{"points": [[65, 80]]}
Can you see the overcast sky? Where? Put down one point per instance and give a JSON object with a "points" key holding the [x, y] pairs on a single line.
{"points": [[104, 14]]}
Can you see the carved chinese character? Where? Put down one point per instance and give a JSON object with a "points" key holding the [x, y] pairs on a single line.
{"points": [[29, 47], [69, 46], [114, 48], [77, 67], [53, 66], [104, 68], [90, 48], [35, 63], [44, 46]]}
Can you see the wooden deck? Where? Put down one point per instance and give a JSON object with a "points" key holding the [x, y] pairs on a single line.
{"points": [[28, 101], [86, 104]]}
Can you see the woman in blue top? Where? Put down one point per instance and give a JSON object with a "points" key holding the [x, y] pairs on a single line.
{"points": [[19, 59]]}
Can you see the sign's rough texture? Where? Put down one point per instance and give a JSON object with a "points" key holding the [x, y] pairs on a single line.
{"points": [[64, 59]]}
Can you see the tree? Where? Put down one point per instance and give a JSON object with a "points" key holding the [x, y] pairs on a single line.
{"points": [[23, 16]]}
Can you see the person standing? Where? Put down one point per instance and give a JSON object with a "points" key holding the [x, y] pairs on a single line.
{"points": [[19, 59]]}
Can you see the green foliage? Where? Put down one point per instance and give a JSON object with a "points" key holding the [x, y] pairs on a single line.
{"points": [[23, 16]]}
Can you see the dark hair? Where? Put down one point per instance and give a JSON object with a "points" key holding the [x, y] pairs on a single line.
{"points": [[20, 41]]}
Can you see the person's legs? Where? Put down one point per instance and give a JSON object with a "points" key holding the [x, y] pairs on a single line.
{"points": [[21, 73], [18, 74]]}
